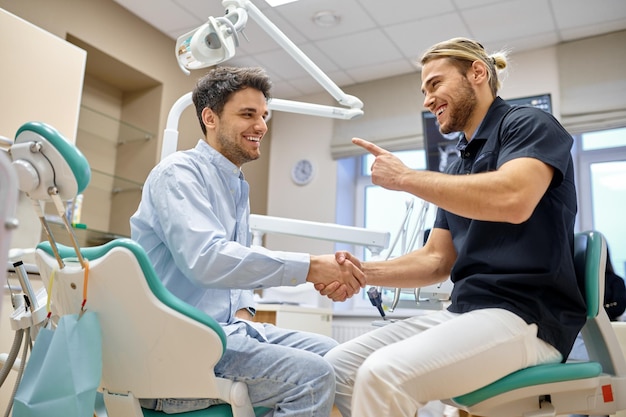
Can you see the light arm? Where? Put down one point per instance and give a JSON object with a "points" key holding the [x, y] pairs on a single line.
{"points": [[279, 37], [374, 240], [216, 41], [170, 135]]}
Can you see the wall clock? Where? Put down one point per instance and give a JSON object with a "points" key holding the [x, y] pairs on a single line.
{"points": [[302, 172]]}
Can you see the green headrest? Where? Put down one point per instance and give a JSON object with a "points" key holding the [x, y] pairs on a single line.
{"points": [[72, 155]]}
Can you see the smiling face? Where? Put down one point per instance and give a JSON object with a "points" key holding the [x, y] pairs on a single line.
{"points": [[238, 131], [449, 95]]}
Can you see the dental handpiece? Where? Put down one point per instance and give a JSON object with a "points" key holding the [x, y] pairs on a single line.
{"points": [[376, 300]]}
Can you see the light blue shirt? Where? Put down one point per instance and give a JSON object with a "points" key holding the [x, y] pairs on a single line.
{"points": [[193, 224]]}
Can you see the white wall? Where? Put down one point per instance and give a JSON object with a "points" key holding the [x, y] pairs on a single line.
{"points": [[533, 73], [47, 93], [295, 137], [41, 78]]}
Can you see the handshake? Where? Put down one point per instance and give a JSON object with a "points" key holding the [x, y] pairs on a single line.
{"points": [[338, 276]]}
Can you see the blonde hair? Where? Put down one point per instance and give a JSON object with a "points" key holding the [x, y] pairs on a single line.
{"points": [[463, 52]]}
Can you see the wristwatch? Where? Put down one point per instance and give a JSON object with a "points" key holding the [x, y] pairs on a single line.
{"points": [[251, 310]]}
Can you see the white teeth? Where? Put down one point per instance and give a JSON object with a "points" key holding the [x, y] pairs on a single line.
{"points": [[253, 139]]}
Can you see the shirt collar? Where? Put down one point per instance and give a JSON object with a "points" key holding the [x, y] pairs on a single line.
{"points": [[487, 124], [491, 119], [219, 160]]}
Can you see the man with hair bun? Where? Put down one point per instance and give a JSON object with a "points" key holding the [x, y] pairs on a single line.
{"points": [[504, 234]]}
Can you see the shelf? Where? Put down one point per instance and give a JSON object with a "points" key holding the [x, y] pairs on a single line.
{"points": [[85, 237], [95, 123], [114, 184]]}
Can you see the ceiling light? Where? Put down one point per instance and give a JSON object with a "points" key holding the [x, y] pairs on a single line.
{"points": [[326, 18], [275, 3]]}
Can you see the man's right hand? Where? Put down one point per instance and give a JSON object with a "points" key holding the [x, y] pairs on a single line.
{"points": [[339, 277], [387, 169]]}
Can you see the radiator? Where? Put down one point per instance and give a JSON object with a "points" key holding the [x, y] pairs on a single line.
{"points": [[346, 330]]}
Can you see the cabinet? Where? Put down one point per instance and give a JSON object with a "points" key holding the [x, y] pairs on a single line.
{"points": [[295, 317]]}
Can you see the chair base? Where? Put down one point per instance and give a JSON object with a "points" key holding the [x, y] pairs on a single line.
{"points": [[221, 410], [128, 406], [591, 396]]}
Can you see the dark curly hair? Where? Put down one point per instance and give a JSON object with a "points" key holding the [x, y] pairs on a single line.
{"points": [[215, 88]]}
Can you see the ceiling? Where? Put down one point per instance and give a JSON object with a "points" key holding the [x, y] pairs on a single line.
{"points": [[377, 39]]}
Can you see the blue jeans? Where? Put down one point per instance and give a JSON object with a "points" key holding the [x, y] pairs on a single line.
{"points": [[287, 374], [579, 351]]}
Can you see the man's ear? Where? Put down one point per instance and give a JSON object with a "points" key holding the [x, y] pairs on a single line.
{"points": [[478, 72], [209, 118]]}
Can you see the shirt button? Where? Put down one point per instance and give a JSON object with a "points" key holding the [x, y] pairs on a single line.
{"points": [[294, 281]]}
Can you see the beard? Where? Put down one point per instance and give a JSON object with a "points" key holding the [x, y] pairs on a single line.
{"points": [[461, 109], [233, 151]]}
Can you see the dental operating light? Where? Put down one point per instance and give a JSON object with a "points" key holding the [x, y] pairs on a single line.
{"points": [[216, 42]]}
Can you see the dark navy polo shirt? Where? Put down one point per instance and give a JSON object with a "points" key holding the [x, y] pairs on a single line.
{"points": [[525, 268]]}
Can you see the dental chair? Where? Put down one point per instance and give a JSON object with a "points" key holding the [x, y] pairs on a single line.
{"points": [[153, 344], [597, 387]]}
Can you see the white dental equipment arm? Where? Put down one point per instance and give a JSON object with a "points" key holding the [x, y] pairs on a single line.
{"points": [[374, 240], [170, 135], [216, 41]]}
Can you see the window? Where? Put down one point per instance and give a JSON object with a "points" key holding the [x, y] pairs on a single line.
{"points": [[604, 139], [601, 183], [377, 208], [382, 209]]}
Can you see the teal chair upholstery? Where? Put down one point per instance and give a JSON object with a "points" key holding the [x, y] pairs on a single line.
{"points": [[44, 160], [595, 387]]}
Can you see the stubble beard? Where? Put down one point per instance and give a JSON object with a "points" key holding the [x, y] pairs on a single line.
{"points": [[233, 151], [462, 110]]}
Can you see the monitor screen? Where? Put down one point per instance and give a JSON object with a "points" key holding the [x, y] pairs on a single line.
{"points": [[543, 102], [441, 149]]}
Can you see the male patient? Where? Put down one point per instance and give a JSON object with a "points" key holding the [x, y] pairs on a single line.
{"points": [[193, 223]]}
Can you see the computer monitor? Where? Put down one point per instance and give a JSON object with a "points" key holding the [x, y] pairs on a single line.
{"points": [[441, 149], [542, 101]]}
